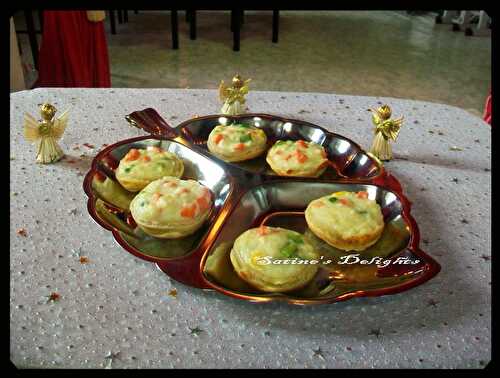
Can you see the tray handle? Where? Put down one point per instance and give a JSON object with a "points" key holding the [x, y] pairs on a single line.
{"points": [[150, 121]]}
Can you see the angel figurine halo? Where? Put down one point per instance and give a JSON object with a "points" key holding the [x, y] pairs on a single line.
{"points": [[46, 132], [385, 129], [233, 96]]}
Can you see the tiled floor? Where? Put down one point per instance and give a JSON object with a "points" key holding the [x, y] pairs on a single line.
{"points": [[382, 53]]}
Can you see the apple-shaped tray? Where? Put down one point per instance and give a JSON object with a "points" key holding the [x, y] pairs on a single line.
{"points": [[249, 194]]}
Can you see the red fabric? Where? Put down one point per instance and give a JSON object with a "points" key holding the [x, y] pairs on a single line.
{"points": [[487, 109], [73, 51]]}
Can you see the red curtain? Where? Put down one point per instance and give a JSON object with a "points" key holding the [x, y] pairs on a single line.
{"points": [[73, 51], [487, 109]]}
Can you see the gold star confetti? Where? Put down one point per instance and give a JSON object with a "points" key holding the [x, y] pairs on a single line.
{"points": [[196, 331], [22, 232], [455, 148], [84, 259], [173, 293], [319, 353], [432, 302], [53, 297]]}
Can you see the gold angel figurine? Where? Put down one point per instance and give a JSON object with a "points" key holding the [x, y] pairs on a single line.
{"points": [[46, 133], [233, 97], [385, 129]]}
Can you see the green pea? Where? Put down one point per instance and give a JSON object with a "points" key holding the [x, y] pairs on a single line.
{"points": [[245, 138], [333, 199], [289, 250], [296, 238]]}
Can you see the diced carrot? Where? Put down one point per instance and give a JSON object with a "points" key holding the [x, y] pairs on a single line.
{"points": [[218, 138], [287, 157], [188, 211], [146, 158], [239, 147], [262, 230], [344, 201], [202, 202], [362, 195], [156, 196], [184, 190], [133, 154], [301, 143], [301, 157]]}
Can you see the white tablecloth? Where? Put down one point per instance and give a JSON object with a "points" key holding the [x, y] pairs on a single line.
{"points": [[115, 310]]}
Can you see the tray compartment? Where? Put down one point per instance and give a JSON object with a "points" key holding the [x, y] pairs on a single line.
{"points": [[347, 158], [281, 204], [108, 200]]}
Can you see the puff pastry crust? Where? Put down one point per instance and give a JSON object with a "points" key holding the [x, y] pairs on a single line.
{"points": [[139, 167], [236, 142], [297, 158], [258, 245], [346, 220], [171, 208]]}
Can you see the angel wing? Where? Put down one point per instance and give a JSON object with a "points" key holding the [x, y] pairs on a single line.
{"points": [[390, 128], [223, 91], [31, 128], [396, 127], [60, 125]]}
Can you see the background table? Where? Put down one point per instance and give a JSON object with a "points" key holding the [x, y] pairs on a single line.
{"points": [[116, 311]]}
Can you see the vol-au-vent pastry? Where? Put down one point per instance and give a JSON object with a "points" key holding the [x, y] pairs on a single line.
{"points": [[297, 158], [346, 220], [237, 142], [171, 208], [255, 249], [139, 167]]}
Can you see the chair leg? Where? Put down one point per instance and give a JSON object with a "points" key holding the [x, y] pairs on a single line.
{"points": [[276, 25], [175, 29], [236, 30], [40, 19], [192, 25], [120, 18], [112, 21], [32, 36], [125, 15]]}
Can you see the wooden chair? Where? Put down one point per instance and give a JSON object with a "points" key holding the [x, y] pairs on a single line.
{"points": [[32, 32], [237, 19], [123, 18]]}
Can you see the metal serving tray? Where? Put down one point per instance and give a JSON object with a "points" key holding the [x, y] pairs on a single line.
{"points": [[249, 194]]}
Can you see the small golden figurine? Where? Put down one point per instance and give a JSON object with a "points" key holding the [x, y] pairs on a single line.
{"points": [[385, 129], [47, 132], [233, 96]]}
